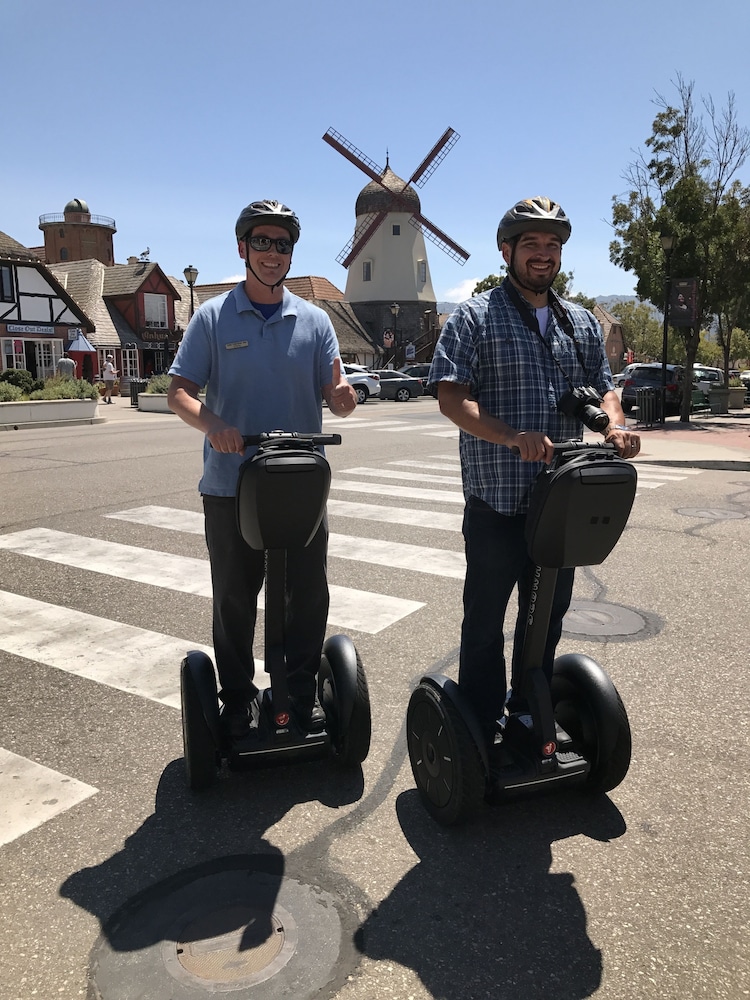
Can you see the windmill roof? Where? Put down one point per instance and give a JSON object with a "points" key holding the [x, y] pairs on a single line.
{"points": [[389, 194]]}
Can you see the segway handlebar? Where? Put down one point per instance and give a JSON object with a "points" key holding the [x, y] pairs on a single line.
{"points": [[290, 438], [561, 447]]}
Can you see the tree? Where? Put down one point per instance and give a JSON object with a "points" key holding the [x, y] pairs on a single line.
{"points": [[561, 285], [685, 188], [641, 331], [491, 281]]}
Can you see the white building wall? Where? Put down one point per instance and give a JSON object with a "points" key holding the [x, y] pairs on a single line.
{"points": [[394, 265]]}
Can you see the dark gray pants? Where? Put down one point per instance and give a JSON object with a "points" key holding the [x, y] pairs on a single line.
{"points": [[496, 561], [237, 575]]}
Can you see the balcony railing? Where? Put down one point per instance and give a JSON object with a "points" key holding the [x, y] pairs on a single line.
{"points": [[98, 220]]}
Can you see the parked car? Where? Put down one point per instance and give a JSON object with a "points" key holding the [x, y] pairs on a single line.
{"points": [[421, 370], [364, 382], [619, 379], [648, 376], [397, 385], [745, 376]]}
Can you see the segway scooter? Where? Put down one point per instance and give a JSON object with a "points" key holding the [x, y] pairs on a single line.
{"points": [[281, 496], [580, 733]]}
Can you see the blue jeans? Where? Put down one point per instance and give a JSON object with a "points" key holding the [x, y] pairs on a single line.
{"points": [[496, 560], [237, 575]]}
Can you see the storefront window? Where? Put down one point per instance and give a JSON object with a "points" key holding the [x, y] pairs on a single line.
{"points": [[130, 362]]}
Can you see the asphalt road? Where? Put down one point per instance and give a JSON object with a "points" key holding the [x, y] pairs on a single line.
{"points": [[643, 893]]}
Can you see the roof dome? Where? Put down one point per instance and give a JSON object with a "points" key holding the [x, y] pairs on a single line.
{"points": [[76, 205], [376, 196]]}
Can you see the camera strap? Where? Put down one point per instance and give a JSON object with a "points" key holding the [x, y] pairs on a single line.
{"points": [[529, 317]]}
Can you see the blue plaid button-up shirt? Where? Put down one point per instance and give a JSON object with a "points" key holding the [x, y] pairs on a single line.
{"points": [[486, 345]]}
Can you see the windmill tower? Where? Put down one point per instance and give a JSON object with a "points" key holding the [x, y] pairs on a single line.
{"points": [[389, 284]]}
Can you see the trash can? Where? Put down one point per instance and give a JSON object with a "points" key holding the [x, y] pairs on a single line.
{"points": [[137, 385], [648, 402]]}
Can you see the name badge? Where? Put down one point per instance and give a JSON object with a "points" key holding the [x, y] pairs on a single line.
{"points": [[235, 345]]}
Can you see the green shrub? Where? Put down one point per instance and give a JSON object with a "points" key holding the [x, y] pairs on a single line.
{"points": [[159, 383], [66, 388], [20, 377], [735, 383], [10, 393]]}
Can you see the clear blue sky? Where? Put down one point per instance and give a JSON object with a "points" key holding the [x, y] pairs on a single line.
{"points": [[170, 117]]}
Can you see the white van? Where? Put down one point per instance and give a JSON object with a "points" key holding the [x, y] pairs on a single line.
{"points": [[705, 377]]}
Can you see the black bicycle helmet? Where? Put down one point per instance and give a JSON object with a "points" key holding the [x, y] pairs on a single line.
{"points": [[538, 214], [267, 212]]}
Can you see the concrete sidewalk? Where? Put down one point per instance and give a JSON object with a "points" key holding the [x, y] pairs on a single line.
{"points": [[707, 442]]}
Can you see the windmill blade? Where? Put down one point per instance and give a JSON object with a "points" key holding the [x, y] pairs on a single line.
{"points": [[361, 237], [439, 238], [434, 158], [354, 155]]}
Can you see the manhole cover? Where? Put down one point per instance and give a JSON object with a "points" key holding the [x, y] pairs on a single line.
{"points": [[711, 513], [235, 930], [593, 618], [232, 946]]}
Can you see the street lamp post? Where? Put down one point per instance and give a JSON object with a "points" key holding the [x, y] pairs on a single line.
{"points": [[191, 276], [396, 309], [667, 243]]}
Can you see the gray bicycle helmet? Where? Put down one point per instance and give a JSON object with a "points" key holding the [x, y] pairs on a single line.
{"points": [[537, 214], [267, 212]]}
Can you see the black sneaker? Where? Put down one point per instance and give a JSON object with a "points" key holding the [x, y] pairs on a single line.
{"points": [[240, 719], [311, 718]]}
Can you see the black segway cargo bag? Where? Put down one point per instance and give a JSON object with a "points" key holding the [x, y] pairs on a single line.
{"points": [[281, 498], [579, 510]]}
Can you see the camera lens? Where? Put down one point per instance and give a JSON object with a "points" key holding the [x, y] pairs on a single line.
{"points": [[595, 419]]}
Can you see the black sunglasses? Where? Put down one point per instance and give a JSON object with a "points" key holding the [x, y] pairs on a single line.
{"points": [[263, 243]]}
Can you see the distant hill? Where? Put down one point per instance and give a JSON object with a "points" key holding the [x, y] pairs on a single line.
{"points": [[605, 301]]}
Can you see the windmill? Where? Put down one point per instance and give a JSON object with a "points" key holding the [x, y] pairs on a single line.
{"points": [[368, 225], [390, 289]]}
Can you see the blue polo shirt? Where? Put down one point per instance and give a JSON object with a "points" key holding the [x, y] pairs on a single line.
{"points": [[259, 374], [486, 345]]}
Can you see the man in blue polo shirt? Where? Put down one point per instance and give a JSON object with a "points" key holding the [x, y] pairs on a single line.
{"points": [[267, 359], [504, 361]]}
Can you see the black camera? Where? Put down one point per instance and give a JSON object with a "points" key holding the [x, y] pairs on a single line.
{"points": [[583, 404]]}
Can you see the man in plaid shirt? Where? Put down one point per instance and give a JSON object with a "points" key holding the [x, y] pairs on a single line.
{"points": [[504, 360]]}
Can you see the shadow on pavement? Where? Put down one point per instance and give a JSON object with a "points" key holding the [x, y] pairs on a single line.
{"points": [[190, 836], [481, 915]]}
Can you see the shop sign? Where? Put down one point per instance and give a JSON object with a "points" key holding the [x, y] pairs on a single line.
{"points": [[27, 328]]}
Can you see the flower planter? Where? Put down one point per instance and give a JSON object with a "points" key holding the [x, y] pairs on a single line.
{"points": [[47, 411], [156, 402], [736, 397]]}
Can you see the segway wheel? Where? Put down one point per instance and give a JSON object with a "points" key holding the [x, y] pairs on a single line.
{"points": [[200, 720], [588, 707], [445, 760], [345, 698]]}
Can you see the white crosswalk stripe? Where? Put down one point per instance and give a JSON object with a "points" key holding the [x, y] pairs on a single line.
{"points": [[121, 656], [420, 558], [32, 794], [353, 609]]}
